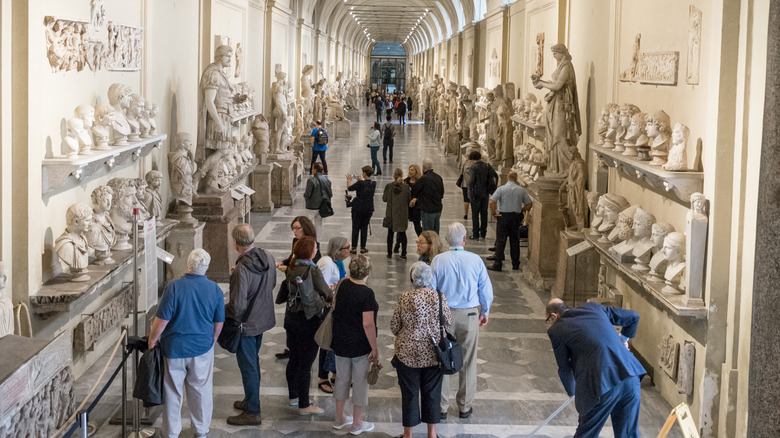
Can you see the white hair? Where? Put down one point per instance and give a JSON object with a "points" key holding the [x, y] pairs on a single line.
{"points": [[427, 164], [198, 261], [455, 234], [421, 275]]}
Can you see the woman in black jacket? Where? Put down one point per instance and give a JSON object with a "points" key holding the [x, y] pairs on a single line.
{"points": [[362, 207]]}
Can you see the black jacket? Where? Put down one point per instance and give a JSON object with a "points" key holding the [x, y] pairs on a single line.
{"points": [[479, 183], [255, 275], [364, 196], [429, 191]]}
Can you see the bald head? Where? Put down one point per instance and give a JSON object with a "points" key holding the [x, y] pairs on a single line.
{"points": [[556, 307]]}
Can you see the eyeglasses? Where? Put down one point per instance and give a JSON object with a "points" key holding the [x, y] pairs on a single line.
{"points": [[423, 242], [345, 247], [549, 319]]}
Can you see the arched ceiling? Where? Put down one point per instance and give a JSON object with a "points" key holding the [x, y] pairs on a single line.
{"points": [[417, 24]]}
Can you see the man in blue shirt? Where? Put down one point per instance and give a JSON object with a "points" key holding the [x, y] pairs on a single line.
{"points": [[462, 278], [189, 319], [319, 146], [511, 201]]}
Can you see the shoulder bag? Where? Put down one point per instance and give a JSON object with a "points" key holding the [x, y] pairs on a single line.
{"points": [[326, 208], [448, 349], [230, 336], [324, 335]]}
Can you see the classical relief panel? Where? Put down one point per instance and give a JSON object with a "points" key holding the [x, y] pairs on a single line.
{"points": [[92, 328], [125, 47], [45, 411], [494, 67], [669, 352], [539, 54], [694, 46], [658, 68]]}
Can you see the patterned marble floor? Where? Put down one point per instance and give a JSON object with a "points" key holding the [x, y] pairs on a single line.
{"points": [[518, 385]]}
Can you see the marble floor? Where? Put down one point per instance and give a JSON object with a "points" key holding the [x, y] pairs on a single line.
{"points": [[518, 385]]}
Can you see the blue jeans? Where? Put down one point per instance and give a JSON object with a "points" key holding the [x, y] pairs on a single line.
{"points": [[249, 364], [375, 160], [430, 221]]}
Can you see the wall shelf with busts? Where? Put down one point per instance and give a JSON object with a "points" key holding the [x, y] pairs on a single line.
{"points": [[534, 130], [61, 173], [244, 118], [677, 186]]}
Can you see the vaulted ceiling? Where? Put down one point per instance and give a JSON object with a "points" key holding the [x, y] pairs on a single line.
{"points": [[417, 24]]}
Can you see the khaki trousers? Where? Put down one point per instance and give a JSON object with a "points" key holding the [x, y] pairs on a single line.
{"points": [[465, 327], [193, 374]]}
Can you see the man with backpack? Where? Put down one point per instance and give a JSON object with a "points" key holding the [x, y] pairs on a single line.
{"points": [[318, 191], [320, 145], [388, 133], [380, 106]]}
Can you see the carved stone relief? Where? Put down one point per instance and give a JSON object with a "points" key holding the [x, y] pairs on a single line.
{"points": [[125, 47], [540, 54], [630, 73], [494, 67], [694, 46], [669, 352], [42, 414], [658, 68], [93, 327], [686, 368]]}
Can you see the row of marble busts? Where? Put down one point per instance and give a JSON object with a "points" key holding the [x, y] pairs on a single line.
{"points": [[109, 223], [654, 249], [126, 118], [646, 136], [529, 109]]}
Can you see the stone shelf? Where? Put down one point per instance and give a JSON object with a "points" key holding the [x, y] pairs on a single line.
{"points": [[59, 294], [535, 130], [244, 117], [677, 186], [62, 172], [677, 304]]}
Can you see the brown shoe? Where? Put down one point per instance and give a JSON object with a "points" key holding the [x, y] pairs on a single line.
{"points": [[245, 419], [240, 405]]}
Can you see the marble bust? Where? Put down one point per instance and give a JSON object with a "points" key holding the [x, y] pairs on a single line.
{"points": [[636, 136], [87, 115], [119, 99], [698, 207], [181, 169], [134, 116], [6, 307], [151, 112], [152, 199], [72, 246], [627, 111], [658, 263], [623, 233], [104, 117], [102, 235], [593, 202], [643, 232], [122, 211], [658, 129], [609, 206], [602, 125], [613, 128], [678, 159], [674, 253], [74, 128]]}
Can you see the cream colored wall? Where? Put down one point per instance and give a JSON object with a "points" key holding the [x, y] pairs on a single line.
{"points": [[6, 166], [541, 16], [516, 41], [467, 74], [494, 43]]}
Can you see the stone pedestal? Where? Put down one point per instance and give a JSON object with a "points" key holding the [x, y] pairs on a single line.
{"points": [[543, 234], [352, 114], [282, 178], [261, 184], [180, 242], [221, 216], [453, 142], [308, 144], [576, 280], [341, 129]]}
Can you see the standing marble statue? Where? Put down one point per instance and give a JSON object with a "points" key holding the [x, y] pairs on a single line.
{"points": [[307, 95], [239, 60], [279, 107], [216, 93], [575, 207], [72, 246], [102, 235], [562, 126], [119, 99], [152, 199], [6, 307]]}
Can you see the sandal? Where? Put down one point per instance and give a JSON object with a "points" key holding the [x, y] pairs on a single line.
{"points": [[325, 387]]}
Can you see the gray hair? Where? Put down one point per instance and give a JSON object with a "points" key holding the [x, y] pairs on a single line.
{"points": [[427, 164], [198, 261], [359, 267], [334, 246], [244, 235], [421, 275], [455, 234]]}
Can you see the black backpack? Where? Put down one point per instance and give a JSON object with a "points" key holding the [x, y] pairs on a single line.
{"points": [[322, 137], [388, 132]]}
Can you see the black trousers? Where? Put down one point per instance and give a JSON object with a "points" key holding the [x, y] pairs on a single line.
{"points": [[414, 217], [508, 226], [400, 239], [321, 154], [360, 222], [303, 351], [378, 116], [387, 144], [419, 386], [479, 215]]}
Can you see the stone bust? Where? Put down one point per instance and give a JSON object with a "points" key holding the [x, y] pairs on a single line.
{"points": [[122, 211], [119, 99], [152, 198], [609, 206], [658, 129], [593, 202], [74, 129], [102, 235], [627, 111], [104, 115], [72, 246], [624, 229], [674, 253], [698, 209], [643, 232], [181, 169], [657, 261], [87, 115], [678, 158]]}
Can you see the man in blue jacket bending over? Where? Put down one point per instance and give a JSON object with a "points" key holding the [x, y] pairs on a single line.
{"points": [[595, 364]]}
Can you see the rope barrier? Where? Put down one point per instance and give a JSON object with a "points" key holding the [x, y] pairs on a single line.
{"points": [[59, 432], [18, 309]]}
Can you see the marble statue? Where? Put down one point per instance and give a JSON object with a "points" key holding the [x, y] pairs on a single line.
{"points": [[72, 246], [74, 128], [140, 192], [674, 253], [119, 99], [678, 159], [151, 198], [102, 235], [239, 60], [181, 169], [613, 124], [104, 117], [627, 111], [151, 113], [658, 262], [643, 247], [574, 208], [624, 228], [87, 115], [562, 124], [245, 147], [217, 97], [595, 220], [122, 211], [307, 95], [260, 133], [6, 307], [278, 123], [636, 137], [696, 248], [658, 129], [216, 176], [609, 206]]}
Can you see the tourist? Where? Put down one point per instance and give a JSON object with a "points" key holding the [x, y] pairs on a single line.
{"points": [[300, 329], [318, 191], [354, 343], [251, 297], [483, 180], [374, 141], [429, 246], [397, 196], [388, 108], [427, 194], [412, 175], [400, 109], [388, 136], [511, 201], [319, 145], [415, 321], [362, 207], [595, 365], [409, 107], [461, 276], [463, 179], [379, 105], [189, 318]]}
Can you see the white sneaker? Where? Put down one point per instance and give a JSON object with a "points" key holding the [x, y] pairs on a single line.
{"points": [[364, 427], [347, 422]]}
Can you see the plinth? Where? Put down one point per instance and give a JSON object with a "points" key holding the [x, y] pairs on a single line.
{"points": [[261, 184], [352, 114], [543, 233], [577, 275], [453, 142], [341, 128], [220, 214], [182, 239], [282, 178]]}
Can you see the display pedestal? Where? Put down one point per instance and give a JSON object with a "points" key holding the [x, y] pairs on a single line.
{"points": [[576, 280], [307, 142], [341, 128], [453, 142], [182, 239], [543, 234], [220, 214], [352, 114], [261, 184], [282, 178]]}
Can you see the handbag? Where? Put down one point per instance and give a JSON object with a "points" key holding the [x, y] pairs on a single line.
{"points": [[448, 349], [373, 373], [459, 182], [387, 222], [230, 336], [326, 209], [324, 334]]}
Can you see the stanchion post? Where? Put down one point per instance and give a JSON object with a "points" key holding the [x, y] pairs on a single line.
{"points": [[124, 382], [136, 402], [83, 424]]}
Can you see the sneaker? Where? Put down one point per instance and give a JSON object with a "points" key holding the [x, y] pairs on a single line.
{"points": [[363, 250], [403, 256], [245, 419], [364, 427], [340, 425]]}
